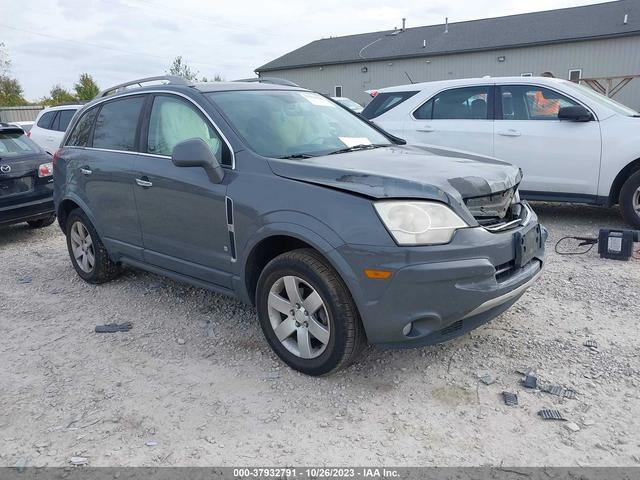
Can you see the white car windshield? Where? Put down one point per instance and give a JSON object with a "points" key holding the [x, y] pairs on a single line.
{"points": [[291, 123], [617, 107]]}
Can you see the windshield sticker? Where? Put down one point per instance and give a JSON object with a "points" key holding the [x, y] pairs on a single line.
{"points": [[355, 141], [317, 100]]}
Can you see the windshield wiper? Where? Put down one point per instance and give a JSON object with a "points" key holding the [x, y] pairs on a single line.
{"points": [[368, 146], [296, 156]]}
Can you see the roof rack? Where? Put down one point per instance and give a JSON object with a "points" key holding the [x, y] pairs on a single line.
{"points": [[167, 79], [271, 80]]}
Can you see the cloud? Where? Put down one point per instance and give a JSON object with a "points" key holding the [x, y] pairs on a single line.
{"points": [[53, 42]]}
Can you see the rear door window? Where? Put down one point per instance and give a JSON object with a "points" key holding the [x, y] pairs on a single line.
{"points": [[46, 119], [117, 124], [468, 103], [62, 120], [81, 134], [385, 101]]}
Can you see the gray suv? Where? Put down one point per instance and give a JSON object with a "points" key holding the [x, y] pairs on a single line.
{"points": [[335, 230]]}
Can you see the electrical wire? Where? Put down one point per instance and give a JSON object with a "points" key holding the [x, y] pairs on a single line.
{"points": [[584, 242]]}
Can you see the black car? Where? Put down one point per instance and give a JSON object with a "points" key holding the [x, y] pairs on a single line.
{"points": [[26, 180]]}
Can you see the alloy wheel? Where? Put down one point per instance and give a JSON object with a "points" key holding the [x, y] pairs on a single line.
{"points": [[299, 317], [636, 201], [82, 247]]}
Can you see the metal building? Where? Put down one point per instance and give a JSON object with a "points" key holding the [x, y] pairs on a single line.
{"points": [[599, 41]]}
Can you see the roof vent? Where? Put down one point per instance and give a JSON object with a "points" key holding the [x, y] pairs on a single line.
{"points": [[626, 18], [424, 44], [404, 22], [446, 25]]}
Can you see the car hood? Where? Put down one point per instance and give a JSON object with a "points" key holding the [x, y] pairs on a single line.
{"points": [[426, 172]]}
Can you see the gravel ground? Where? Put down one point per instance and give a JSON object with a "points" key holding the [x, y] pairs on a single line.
{"points": [[194, 383]]}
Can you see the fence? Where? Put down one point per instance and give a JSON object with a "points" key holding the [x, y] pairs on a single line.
{"points": [[19, 114]]}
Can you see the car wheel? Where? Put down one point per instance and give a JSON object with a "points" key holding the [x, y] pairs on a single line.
{"points": [[42, 222], [630, 200], [307, 314], [87, 252]]}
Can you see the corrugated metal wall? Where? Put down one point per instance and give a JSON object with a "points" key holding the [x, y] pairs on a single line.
{"points": [[596, 58], [19, 114]]}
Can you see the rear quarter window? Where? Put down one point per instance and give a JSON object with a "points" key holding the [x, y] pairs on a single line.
{"points": [[81, 134], [385, 101]]}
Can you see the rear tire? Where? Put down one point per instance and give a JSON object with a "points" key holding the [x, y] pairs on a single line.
{"points": [[42, 222], [325, 333], [88, 254], [630, 200]]}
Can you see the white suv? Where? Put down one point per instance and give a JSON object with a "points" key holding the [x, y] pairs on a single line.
{"points": [[50, 126], [572, 143]]}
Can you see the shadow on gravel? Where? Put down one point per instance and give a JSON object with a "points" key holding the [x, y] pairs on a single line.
{"points": [[578, 214], [21, 232]]}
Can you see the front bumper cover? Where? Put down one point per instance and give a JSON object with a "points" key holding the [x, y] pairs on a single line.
{"points": [[439, 292]]}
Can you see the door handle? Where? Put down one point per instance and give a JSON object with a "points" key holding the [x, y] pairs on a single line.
{"points": [[509, 133], [85, 171], [426, 129], [144, 183]]}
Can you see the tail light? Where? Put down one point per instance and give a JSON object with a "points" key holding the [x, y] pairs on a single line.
{"points": [[29, 134], [373, 93], [56, 156], [45, 170]]}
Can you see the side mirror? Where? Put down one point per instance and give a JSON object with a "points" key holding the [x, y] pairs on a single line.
{"points": [[575, 113], [196, 153]]}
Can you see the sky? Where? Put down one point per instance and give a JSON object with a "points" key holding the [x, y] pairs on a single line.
{"points": [[53, 42]]}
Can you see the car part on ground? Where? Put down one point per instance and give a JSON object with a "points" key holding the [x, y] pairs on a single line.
{"points": [[26, 180], [325, 263]]}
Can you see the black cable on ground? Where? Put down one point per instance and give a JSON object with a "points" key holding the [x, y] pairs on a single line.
{"points": [[584, 241]]}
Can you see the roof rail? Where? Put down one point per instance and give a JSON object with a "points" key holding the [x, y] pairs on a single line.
{"points": [[271, 80], [167, 79]]}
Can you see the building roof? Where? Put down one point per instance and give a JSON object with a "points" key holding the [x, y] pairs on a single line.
{"points": [[602, 20]]}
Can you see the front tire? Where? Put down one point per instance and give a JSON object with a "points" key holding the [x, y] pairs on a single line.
{"points": [[630, 200], [88, 254], [41, 222], [307, 314]]}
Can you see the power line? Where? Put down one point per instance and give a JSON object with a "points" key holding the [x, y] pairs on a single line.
{"points": [[96, 45]]}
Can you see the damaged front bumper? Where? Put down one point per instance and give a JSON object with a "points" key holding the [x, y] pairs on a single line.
{"points": [[440, 292]]}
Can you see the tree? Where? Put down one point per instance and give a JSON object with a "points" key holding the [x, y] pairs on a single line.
{"points": [[181, 69], [10, 92], [5, 62], [86, 88], [59, 95]]}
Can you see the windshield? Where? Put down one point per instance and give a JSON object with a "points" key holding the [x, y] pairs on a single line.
{"points": [[609, 103], [289, 123], [13, 144]]}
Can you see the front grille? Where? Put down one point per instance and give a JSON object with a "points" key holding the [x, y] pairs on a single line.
{"points": [[15, 186], [499, 211]]}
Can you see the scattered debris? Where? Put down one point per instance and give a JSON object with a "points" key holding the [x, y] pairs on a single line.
{"points": [[21, 464], [114, 327], [24, 280], [591, 344], [181, 341], [78, 460], [572, 427], [530, 381], [510, 399], [547, 414], [487, 379], [151, 443], [525, 371]]}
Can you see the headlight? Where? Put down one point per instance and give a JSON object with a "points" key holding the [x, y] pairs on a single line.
{"points": [[419, 223]]}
